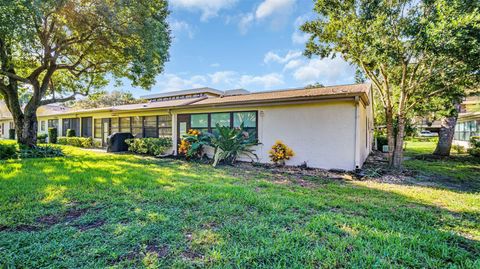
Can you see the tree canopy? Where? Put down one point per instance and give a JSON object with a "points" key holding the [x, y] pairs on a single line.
{"points": [[106, 99], [410, 50], [55, 49]]}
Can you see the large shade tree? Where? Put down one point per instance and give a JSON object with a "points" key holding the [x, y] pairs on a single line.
{"points": [[402, 48], [56, 49]]}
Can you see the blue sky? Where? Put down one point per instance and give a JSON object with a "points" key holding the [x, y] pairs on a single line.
{"points": [[250, 44]]}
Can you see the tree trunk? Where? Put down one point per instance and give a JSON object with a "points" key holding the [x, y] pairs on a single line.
{"points": [[26, 127], [445, 136], [447, 131], [28, 131], [390, 135], [398, 151]]}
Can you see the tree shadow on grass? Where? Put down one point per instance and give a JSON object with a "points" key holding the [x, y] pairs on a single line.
{"points": [[207, 217]]}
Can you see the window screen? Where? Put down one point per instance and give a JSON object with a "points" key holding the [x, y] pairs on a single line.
{"points": [[53, 124], [137, 128], [199, 122], [125, 125], [98, 128], [223, 119], [114, 125], [150, 126], [249, 120], [165, 126]]}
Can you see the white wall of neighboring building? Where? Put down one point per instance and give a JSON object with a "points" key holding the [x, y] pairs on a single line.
{"points": [[6, 127]]}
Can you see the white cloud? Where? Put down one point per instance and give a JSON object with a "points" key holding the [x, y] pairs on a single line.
{"points": [[293, 64], [273, 57], [173, 82], [299, 37], [265, 81], [326, 71], [270, 7], [209, 8], [276, 11], [223, 77], [180, 27], [232, 79], [221, 80], [215, 65], [245, 21]]}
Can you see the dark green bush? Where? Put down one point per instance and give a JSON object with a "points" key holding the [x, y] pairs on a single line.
{"points": [[42, 138], [40, 152], [381, 141], [149, 146], [71, 133], [82, 142], [8, 151], [53, 135], [475, 146], [11, 134]]}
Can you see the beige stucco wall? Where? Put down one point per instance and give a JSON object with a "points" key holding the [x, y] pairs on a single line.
{"points": [[322, 135]]}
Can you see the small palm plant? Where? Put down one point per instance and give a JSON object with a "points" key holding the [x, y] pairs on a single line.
{"points": [[229, 143]]}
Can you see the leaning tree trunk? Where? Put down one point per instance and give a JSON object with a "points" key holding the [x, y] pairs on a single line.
{"points": [[445, 136]]}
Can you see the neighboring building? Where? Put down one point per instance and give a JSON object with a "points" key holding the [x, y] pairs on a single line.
{"points": [[328, 127], [468, 123]]}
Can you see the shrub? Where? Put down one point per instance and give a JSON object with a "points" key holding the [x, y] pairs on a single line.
{"points": [[381, 141], [193, 143], [475, 141], [149, 146], [42, 138], [459, 149], [8, 151], [475, 146], [71, 133], [81, 142], [280, 153], [229, 143], [53, 135], [40, 152], [11, 134]]}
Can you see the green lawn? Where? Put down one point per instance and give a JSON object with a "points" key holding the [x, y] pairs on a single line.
{"points": [[460, 170], [95, 210]]}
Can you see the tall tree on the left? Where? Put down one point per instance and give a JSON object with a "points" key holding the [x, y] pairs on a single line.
{"points": [[56, 49]]}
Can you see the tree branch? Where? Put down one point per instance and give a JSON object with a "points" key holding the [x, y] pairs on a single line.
{"points": [[60, 100], [15, 77]]}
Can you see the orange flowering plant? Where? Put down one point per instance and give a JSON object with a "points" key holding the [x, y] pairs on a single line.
{"points": [[280, 153], [192, 143], [183, 147]]}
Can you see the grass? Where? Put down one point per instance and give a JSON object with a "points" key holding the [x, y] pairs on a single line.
{"points": [[97, 210], [458, 169]]}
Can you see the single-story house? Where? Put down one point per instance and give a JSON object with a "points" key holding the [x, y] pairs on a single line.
{"points": [[327, 127]]}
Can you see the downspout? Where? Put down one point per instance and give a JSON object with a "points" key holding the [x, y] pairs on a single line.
{"points": [[355, 149], [174, 132]]}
